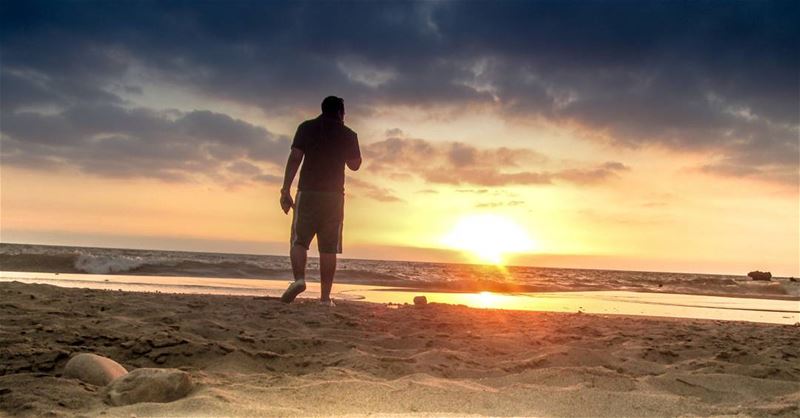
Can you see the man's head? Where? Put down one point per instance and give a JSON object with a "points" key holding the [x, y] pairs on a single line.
{"points": [[333, 106]]}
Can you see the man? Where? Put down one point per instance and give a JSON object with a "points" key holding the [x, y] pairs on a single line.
{"points": [[324, 145]]}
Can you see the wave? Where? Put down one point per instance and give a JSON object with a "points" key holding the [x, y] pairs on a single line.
{"points": [[431, 276], [102, 264], [83, 262]]}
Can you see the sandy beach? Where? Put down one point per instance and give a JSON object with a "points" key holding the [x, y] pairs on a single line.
{"points": [[256, 356]]}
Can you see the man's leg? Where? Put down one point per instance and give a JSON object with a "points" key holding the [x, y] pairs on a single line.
{"points": [[329, 241], [298, 254], [302, 233], [327, 268]]}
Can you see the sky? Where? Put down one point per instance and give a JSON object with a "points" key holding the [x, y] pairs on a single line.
{"points": [[642, 135]]}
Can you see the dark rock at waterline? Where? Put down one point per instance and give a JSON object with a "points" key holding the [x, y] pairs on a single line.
{"points": [[420, 300], [760, 275]]}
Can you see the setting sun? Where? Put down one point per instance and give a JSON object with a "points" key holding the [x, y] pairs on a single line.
{"points": [[488, 237]]}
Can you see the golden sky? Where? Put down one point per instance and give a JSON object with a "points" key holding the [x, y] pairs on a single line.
{"points": [[659, 213], [609, 140]]}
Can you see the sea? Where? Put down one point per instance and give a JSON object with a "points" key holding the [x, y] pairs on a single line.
{"points": [[446, 277]]}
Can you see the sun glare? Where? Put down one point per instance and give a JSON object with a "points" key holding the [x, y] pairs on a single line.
{"points": [[487, 299], [488, 237]]}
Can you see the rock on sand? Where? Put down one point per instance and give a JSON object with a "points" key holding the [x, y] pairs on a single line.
{"points": [[760, 275], [420, 300], [149, 385], [93, 369]]}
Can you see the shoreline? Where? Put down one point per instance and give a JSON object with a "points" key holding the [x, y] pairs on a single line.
{"points": [[254, 356], [312, 257], [663, 304], [423, 276]]}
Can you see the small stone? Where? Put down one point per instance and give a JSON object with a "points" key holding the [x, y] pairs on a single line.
{"points": [[93, 369], [420, 300], [149, 385]]}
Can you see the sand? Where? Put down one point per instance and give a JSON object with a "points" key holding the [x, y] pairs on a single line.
{"points": [[256, 356]]}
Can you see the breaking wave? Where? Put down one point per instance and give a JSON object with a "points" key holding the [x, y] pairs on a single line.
{"points": [[107, 264], [451, 277]]}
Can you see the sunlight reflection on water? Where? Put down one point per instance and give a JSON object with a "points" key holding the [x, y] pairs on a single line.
{"points": [[597, 302]]}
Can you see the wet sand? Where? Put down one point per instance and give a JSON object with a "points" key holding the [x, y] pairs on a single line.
{"points": [[785, 310], [254, 356]]}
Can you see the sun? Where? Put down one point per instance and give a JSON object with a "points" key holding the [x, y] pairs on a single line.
{"points": [[488, 237]]}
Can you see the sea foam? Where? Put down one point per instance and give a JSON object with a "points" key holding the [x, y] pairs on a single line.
{"points": [[104, 264]]}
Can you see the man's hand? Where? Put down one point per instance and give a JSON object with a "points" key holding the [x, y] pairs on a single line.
{"points": [[286, 201], [292, 164], [354, 164]]}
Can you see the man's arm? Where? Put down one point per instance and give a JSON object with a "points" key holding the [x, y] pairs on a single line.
{"points": [[354, 164], [354, 154], [292, 164]]}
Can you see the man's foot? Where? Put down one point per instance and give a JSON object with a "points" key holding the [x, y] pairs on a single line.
{"points": [[329, 303], [294, 289]]}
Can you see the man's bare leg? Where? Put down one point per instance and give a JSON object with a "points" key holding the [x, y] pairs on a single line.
{"points": [[327, 268], [298, 254]]}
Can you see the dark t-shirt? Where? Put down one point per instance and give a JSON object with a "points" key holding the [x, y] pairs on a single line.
{"points": [[326, 144]]}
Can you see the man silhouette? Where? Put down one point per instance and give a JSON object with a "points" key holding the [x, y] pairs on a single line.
{"points": [[324, 145]]}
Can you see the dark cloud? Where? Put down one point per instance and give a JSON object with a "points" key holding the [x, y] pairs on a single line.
{"points": [[136, 142], [690, 76]]}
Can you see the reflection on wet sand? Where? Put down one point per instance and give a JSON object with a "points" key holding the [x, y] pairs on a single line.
{"points": [[599, 302]]}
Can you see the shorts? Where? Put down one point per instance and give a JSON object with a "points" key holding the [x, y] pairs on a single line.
{"points": [[320, 214]]}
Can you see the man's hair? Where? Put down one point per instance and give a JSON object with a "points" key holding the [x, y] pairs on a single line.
{"points": [[332, 105]]}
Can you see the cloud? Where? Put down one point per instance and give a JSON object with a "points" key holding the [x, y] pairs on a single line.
{"points": [[371, 191], [268, 179], [455, 163], [244, 168], [690, 77], [115, 141], [595, 175], [510, 203]]}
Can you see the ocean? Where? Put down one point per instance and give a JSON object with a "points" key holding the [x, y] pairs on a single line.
{"points": [[401, 274]]}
